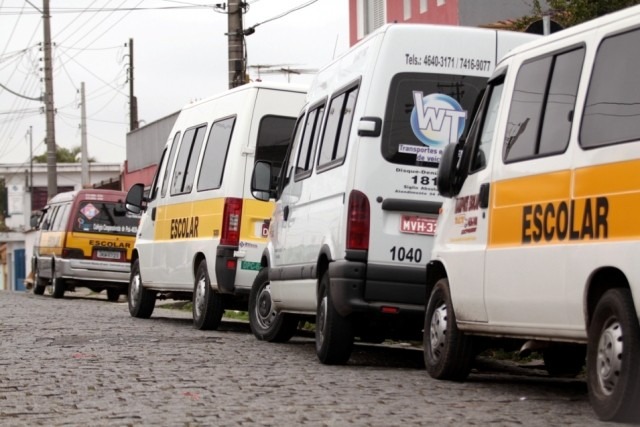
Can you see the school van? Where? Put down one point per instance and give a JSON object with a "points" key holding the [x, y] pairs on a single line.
{"points": [[357, 204], [202, 232], [85, 239], [538, 238]]}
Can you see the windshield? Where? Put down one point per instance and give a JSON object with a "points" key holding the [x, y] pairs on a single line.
{"points": [[106, 218]]}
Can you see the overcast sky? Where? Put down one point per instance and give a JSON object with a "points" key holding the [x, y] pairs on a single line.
{"points": [[180, 55]]}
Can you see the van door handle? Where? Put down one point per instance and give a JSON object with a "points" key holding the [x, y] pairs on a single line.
{"points": [[484, 195], [285, 213], [153, 214]]}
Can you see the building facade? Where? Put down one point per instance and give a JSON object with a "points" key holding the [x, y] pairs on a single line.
{"points": [[367, 15], [25, 187]]}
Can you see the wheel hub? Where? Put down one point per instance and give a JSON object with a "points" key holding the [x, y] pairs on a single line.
{"points": [[135, 289], [609, 358], [264, 307], [201, 289], [321, 319], [438, 331]]}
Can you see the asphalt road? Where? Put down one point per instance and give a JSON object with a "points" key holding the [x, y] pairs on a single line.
{"points": [[82, 361]]}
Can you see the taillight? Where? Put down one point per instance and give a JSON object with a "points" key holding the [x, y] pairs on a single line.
{"points": [[231, 222], [358, 221]]}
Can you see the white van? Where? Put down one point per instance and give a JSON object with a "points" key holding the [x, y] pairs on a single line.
{"points": [[202, 233], [539, 237], [357, 206]]}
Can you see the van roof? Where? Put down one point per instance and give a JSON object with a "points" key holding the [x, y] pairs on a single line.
{"points": [[70, 195], [290, 87], [614, 17]]}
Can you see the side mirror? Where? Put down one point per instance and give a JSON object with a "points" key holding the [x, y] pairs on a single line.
{"points": [[34, 221], [261, 181], [370, 126], [448, 181], [135, 201]]}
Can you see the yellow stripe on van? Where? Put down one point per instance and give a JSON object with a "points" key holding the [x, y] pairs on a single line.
{"points": [[543, 209], [203, 220], [87, 241]]}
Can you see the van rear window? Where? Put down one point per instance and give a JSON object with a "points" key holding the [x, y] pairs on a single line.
{"points": [[105, 217], [424, 113]]}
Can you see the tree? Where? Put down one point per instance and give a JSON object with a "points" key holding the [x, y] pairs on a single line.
{"points": [[572, 12], [63, 155]]}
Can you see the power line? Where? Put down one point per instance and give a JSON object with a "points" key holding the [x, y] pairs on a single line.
{"points": [[60, 10]]}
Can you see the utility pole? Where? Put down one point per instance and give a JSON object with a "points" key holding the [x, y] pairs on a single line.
{"points": [[237, 66], [133, 101], [31, 162], [84, 152], [52, 173]]}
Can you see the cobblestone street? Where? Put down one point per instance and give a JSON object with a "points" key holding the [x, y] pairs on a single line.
{"points": [[84, 361]]}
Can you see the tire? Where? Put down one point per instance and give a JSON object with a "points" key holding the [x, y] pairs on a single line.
{"points": [[207, 304], [113, 294], [334, 333], [39, 284], [141, 301], [57, 286], [564, 359], [266, 323], [448, 353], [613, 349]]}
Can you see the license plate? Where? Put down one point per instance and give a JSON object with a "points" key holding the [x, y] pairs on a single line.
{"points": [[108, 254], [418, 225]]}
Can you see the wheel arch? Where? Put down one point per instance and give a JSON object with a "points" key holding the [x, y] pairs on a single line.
{"points": [[264, 259], [322, 265], [435, 272], [197, 259], [600, 281]]}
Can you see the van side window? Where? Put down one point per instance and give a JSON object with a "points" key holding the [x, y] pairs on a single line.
{"points": [[483, 128], [337, 127], [184, 170], [194, 155], [612, 109], [61, 218], [155, 182], [290, 159], [542, 106], [47, 219], [215, 154], [311, 133], [169, 163], [274, 134]]}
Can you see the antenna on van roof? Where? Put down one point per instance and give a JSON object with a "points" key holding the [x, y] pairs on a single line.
{"points": [[282, 69]]}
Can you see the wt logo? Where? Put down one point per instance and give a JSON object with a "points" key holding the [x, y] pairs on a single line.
{"points": [[437, 119]]}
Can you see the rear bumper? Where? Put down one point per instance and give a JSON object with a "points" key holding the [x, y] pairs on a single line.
{"points": [[92, 270], [358, 287]]}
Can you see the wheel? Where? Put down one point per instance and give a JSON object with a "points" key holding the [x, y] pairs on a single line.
{"points": [[39, 284], [613, 349], [113, 294], [448, 353], [141, 301], [334, 333], [266, 323], [207, 304], [564, 359], [57, 286]]}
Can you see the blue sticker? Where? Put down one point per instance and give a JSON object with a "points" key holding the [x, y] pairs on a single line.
{"points": [[437, 119]]}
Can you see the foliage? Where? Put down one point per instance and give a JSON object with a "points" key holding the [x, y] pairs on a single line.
{"points": [[63, 155], [572, 12]]}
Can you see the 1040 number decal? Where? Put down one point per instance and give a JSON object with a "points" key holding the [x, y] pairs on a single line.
{"points": [[400, 253]]}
